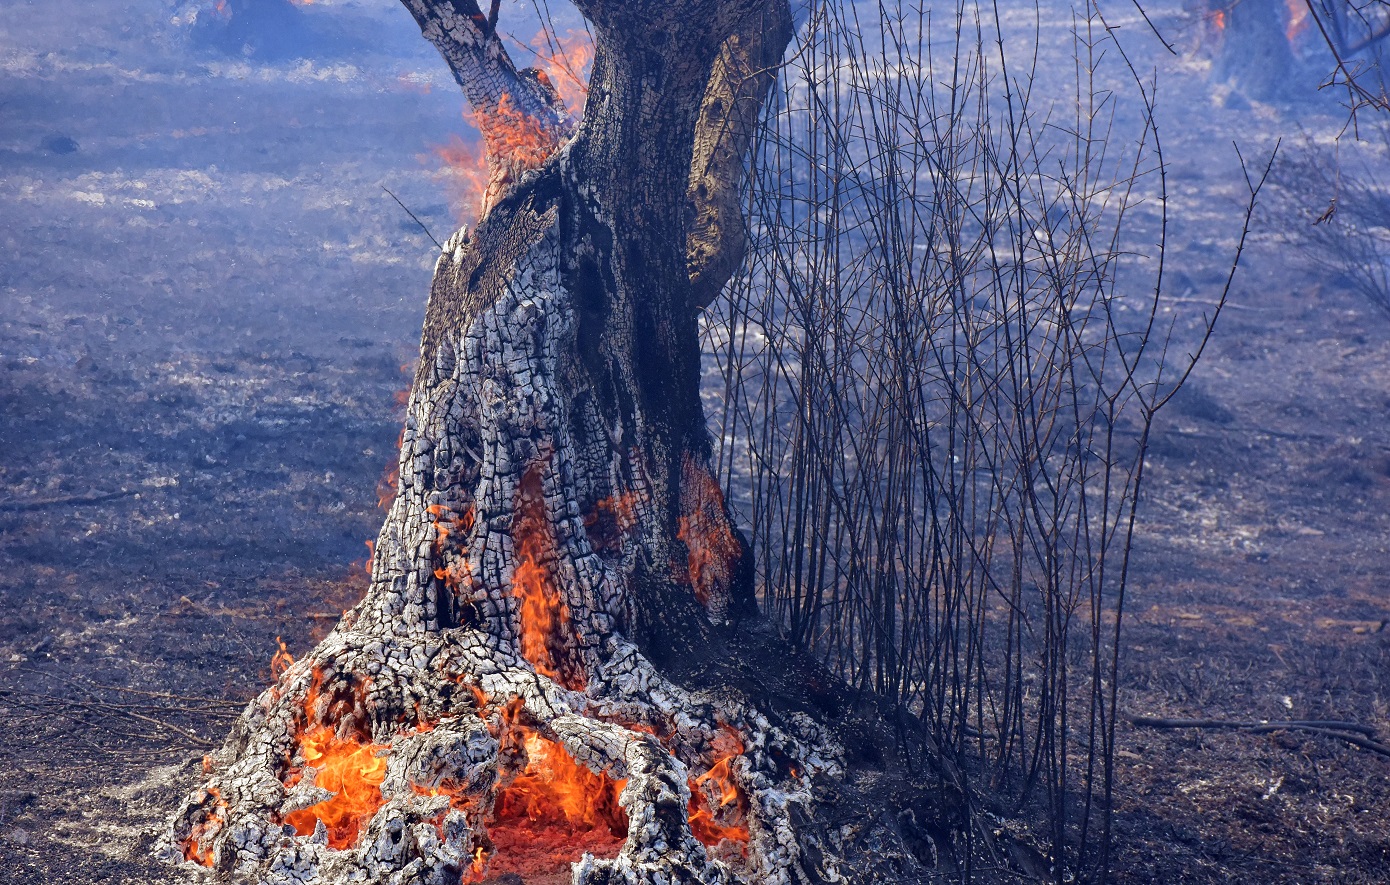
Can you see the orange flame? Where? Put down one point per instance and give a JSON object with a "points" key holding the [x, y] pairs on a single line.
{"points": [[281, 660], [718, 805], [554, 790], [566, 64], [513, 143], [466, 169], [351, 770], [514, 136], [1217, 17], [552, 812], [543, 616]]}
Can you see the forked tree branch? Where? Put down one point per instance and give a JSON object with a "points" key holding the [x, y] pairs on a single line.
{"points": [[521, 117]]}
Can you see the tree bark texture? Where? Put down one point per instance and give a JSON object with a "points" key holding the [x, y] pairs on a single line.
{"points": [[559, 671]]}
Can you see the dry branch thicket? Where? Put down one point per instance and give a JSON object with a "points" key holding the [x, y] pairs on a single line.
{"points": [[941, 367]]}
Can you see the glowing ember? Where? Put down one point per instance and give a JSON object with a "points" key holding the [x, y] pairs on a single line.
{"points": [[542, 614], [281, 660], [211, 823], [718, 805], [705, 530]]}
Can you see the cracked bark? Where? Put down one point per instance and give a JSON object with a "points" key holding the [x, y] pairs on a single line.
{"points": [[558, 582]]}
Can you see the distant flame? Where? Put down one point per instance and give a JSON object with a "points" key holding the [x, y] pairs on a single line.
{"points": [[1299, 20]]}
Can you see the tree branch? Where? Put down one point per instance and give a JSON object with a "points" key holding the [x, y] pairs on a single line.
{"points": [[738, 87], [521, 117]]}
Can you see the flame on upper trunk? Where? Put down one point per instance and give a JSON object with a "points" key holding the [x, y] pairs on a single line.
{"points": [[513, 142], [566, 62]]}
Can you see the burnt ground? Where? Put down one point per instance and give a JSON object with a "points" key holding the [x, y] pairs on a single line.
{"points": [[207, 305]]}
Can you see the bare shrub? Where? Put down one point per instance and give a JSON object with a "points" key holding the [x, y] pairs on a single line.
{"points": [[940, 365], [1333, 206]]}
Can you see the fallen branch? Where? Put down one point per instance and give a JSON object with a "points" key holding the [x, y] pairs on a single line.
{"points": [[1352, 732], [64, 502]]}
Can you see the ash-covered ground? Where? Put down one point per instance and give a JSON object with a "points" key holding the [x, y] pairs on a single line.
{"points": [[208, 303]]}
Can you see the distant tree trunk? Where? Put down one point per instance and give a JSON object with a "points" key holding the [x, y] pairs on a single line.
{"points": [[1254, 55], [560, 656]]}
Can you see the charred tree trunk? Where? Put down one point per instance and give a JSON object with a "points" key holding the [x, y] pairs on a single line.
{"points": [[1254, 55], [560, 657]]}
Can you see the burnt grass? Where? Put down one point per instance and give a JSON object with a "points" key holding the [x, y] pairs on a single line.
{"points": [[204, 327]]}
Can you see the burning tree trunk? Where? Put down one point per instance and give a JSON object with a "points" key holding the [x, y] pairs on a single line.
{"points": [[560, 657], [1254, 54]]}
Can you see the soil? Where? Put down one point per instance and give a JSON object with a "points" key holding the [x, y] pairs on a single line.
{"points": [[208, 307]]}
